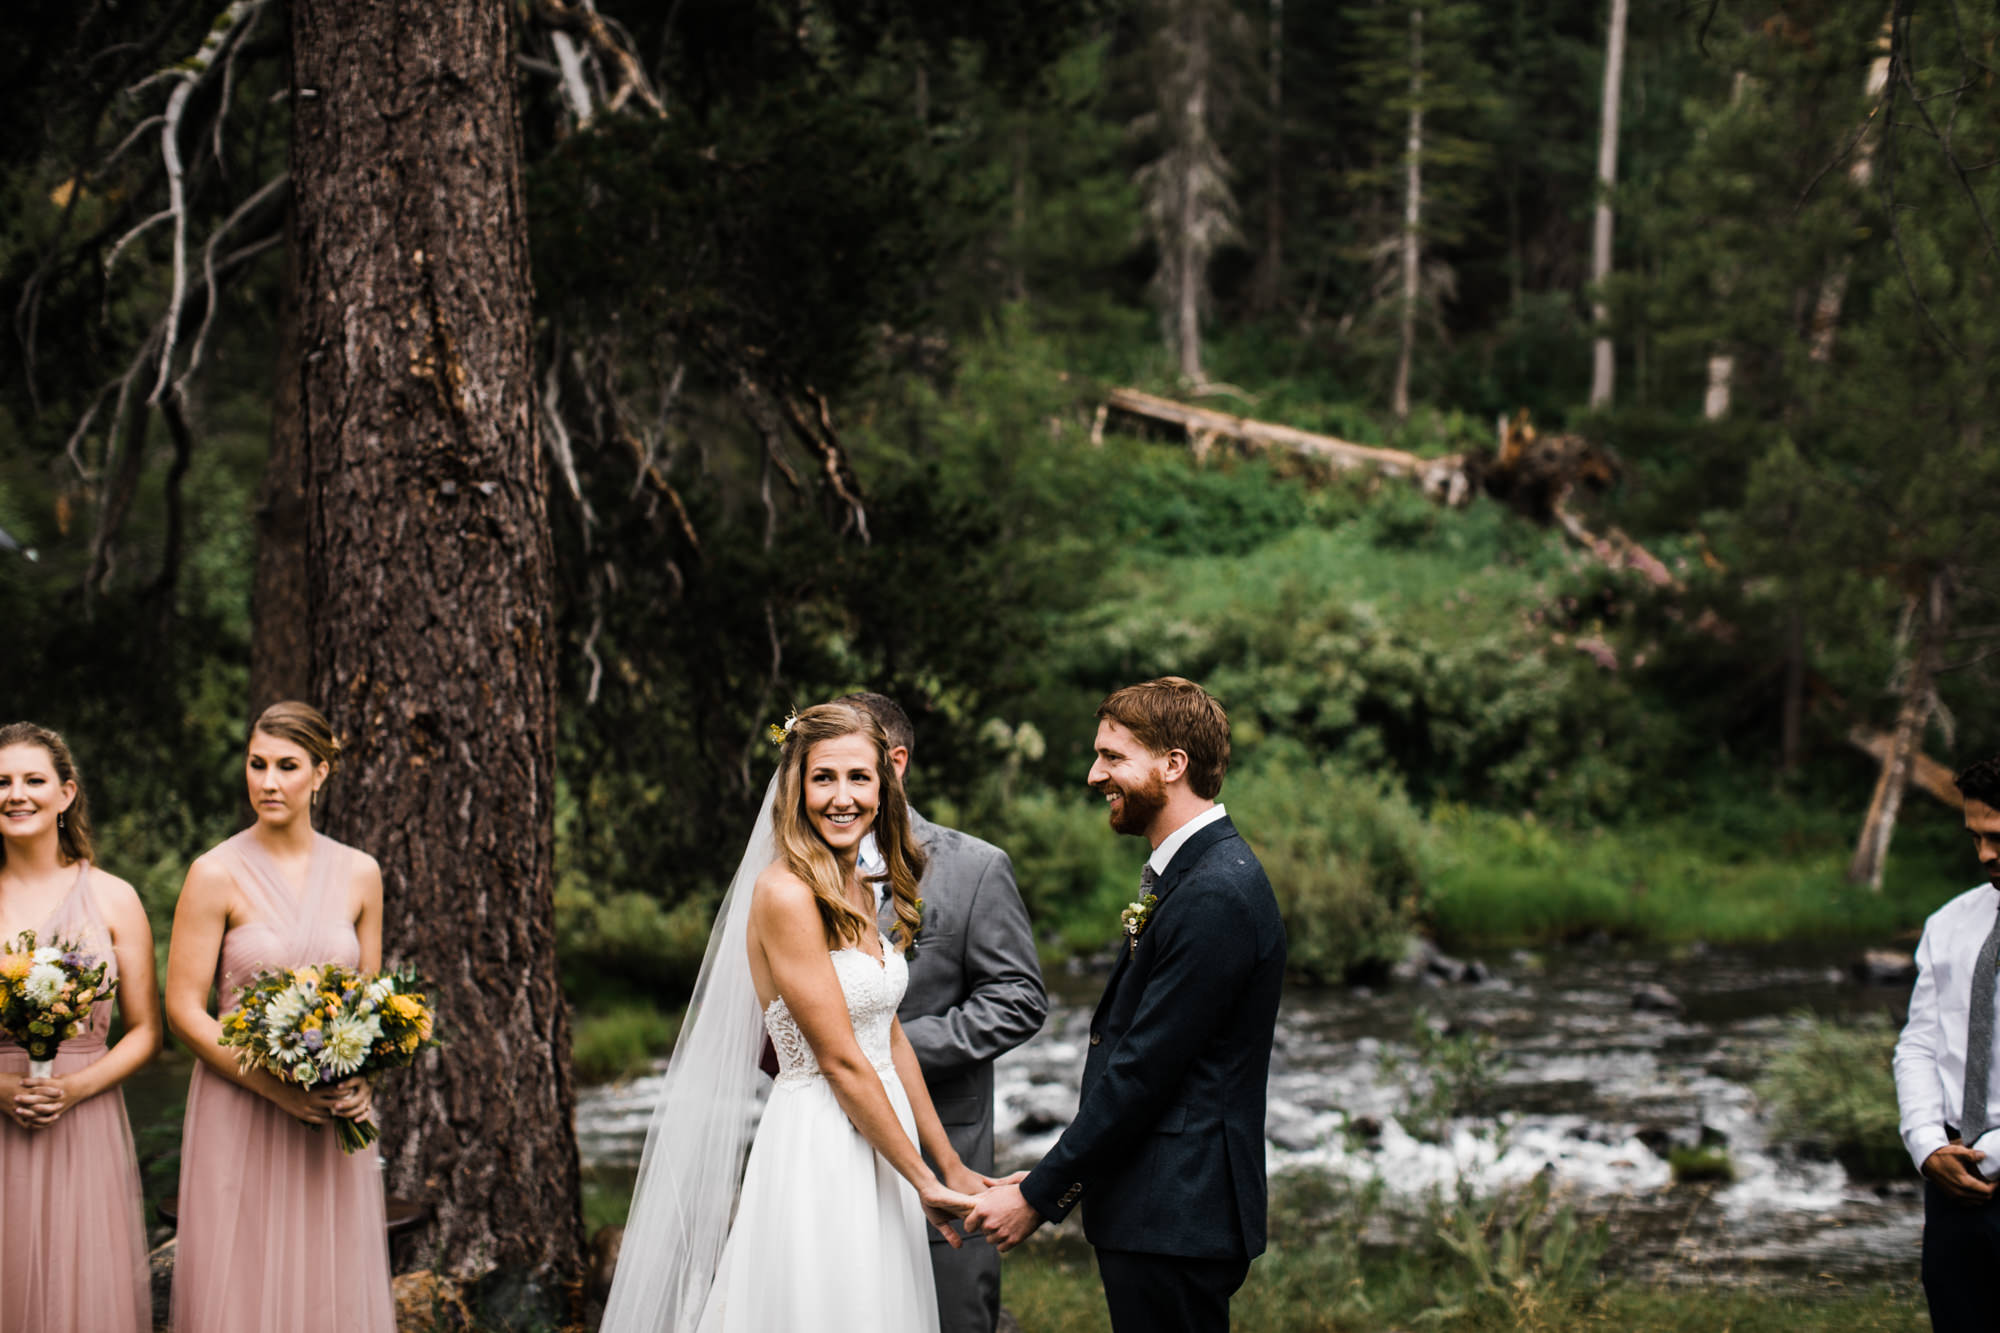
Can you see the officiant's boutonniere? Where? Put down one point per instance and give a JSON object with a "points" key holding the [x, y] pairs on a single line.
{"points": [[1136, 915], [910, 949]]}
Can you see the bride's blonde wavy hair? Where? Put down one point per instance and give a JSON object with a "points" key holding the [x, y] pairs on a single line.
{"points": [[807, 855]]}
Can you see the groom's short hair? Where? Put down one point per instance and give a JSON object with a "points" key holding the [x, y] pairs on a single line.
{"points": [[1174, 713], [895, 722]]}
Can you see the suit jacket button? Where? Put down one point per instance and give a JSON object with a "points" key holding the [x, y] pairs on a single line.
{"points": [[1095, 1039]]}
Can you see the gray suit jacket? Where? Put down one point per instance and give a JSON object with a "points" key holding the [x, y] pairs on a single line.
{"points": [[975, 985]]}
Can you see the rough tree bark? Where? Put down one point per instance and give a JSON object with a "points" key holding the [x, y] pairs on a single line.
{"points": [[280, 651], [429, 579], [1413, 215], [1604, 360]]}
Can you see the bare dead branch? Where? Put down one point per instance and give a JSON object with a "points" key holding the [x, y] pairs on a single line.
{"points": [[273, 190]]}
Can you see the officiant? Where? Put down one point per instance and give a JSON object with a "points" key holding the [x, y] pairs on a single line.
{"points": [[975, 993]]}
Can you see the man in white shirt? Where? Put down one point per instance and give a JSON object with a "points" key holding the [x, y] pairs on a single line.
{"points": [[1951, 1122]]}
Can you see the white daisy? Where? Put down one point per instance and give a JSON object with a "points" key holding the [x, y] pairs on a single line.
{"points": [[286, 1008], [48, 954], [44, 982], [347, 1043]]}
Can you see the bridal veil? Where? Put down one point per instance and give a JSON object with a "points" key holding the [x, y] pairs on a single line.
{"points": [[692, 1166]]}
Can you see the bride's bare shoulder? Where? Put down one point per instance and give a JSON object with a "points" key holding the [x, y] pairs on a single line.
{"points": [[779, 890]]}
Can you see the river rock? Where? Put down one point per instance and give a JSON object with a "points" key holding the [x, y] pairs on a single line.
{"points": [[1656, 998], [1044, 1107], [1365, 1127], [1659, 1139], [1884, 967], [429, 1301]]}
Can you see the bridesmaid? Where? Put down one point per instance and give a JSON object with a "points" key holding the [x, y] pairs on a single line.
{"points": [[279, 1230], [72, 1236]]}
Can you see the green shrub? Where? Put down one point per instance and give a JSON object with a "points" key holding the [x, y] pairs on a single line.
{"points": [[1445, 1075], [1346, 855], [1831, 1086], [1073, 871], [1520, 1260], [1693, 1166], [621, 1041], [629, 942]]}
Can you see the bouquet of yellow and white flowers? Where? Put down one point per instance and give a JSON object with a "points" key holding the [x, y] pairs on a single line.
{"points": [[318, 1025], [46, 995]]}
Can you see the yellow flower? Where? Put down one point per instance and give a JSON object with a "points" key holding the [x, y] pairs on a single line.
{"points": [[307, 976], [310, 1023], [404, 1007], [411, 1041], [14, 966]]}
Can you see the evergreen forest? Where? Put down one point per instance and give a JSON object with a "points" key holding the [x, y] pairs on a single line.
{"points": [[1618, 565]]}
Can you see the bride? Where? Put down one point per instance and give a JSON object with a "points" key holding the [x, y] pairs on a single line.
{"points": [[828, 1224]]}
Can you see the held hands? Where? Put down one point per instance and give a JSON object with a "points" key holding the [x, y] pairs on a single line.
{"points": [[1955, 1168], [1003, 1214]]}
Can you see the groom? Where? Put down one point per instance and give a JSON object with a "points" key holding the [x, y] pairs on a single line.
{"points": [[975, 992], [1167, 1148]]}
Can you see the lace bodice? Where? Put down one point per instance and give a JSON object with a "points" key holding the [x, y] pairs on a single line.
{"points": [[873, 991]]}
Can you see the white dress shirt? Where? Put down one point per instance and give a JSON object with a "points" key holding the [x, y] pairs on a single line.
{"points": [[1930, 1055], [1163, 855]]}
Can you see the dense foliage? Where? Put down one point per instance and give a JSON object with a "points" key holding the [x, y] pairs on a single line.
{"points": [[903, 248]]}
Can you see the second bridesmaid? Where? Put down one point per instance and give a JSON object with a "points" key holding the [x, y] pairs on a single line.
{"points": [[278, 1228]]}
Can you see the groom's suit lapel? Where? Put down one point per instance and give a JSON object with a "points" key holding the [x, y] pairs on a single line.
{"points": [[1190, 852]]}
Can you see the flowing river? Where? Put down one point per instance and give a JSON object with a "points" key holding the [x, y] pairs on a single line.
{"points": [[1582, 1084]]}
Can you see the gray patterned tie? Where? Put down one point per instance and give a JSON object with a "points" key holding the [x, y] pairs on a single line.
{"points": [[1979, 1039]]}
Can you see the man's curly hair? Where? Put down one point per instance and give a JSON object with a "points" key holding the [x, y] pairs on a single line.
{"points": [[1981, 782]]}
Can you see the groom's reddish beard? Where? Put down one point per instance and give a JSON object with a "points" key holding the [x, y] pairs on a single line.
{"points": [[1135, 813]]}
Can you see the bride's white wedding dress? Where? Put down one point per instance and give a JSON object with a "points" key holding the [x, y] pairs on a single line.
{"points": [[827, 1237]]}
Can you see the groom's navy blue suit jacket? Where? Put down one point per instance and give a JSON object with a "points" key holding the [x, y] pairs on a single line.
{"points": [[1166, 1153]]}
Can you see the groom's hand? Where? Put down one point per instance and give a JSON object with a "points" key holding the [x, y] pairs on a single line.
{"points": [[1003, 1215]]}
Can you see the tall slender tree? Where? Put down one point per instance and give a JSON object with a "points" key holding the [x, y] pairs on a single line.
{"points": [[1190, 208], [1604, 361], [428, 558]]}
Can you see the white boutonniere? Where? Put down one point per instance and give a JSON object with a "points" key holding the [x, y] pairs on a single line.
{"points": [[1136, 915]]}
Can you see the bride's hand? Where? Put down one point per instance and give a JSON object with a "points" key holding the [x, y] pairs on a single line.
{"points": [[993, 1182], [943, 1207]]}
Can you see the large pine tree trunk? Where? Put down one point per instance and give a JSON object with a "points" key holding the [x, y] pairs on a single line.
{"points": [[1413, 217], [428, 559], [280, 652], [1604, 361]]}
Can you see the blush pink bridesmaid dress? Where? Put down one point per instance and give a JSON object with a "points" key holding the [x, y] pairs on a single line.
{"points": [[72, 1236], [280, 1231]]}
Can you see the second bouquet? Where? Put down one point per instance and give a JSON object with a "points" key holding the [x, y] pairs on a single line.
{"points": [[313, 1026]]}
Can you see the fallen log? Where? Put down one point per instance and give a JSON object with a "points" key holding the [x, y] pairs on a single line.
{"points": [[1444, 479], [1925, 772]]}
